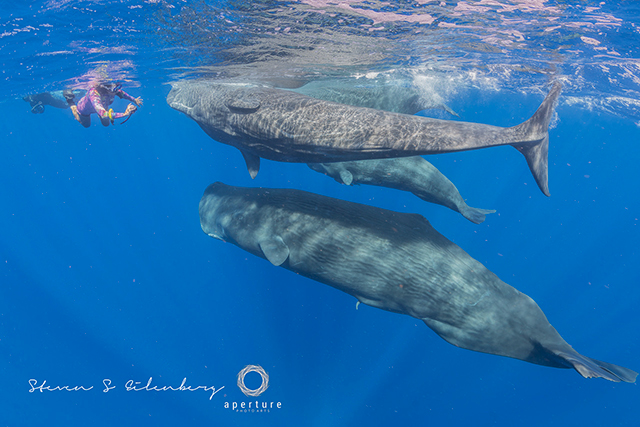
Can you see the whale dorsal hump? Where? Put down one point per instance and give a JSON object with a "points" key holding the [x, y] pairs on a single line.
{"points": [[275, 250], [242, 102], [346, 177]]}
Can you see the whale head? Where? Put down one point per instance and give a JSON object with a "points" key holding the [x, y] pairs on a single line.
{"points": [[181, 97], [233, 216], [215, 217], [224, 215], [200, 97]]}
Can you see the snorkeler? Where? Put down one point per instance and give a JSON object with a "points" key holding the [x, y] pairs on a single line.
{"points": [[97, 100], [55, 99]]}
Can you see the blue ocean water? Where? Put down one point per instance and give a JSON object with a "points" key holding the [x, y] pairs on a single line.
{"points": [[106, 276]]}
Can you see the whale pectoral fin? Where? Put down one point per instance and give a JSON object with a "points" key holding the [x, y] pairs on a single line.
{"points": [[346, 177], [253, 163], [275, 250], [449, 110]]}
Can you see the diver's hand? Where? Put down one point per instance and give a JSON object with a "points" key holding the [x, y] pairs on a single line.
{"points": [[138, 101], [130, 109]]}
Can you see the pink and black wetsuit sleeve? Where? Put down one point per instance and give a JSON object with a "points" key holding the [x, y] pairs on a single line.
{"points": [[124, 95]]}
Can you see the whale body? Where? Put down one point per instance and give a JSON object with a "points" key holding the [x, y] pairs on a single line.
{"points": [[286, 126], [413, 174], [398, 96], [396, 262]]}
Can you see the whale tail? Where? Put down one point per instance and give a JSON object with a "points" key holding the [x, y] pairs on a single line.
{"points": [[475, 215], [536, 132], [592, 368]]}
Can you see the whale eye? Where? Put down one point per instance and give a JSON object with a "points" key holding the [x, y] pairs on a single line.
{"points": [[237, 217], [242, 102]]}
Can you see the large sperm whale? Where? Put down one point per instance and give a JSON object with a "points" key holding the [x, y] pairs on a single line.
{"points": [[397, 262], [286, 126]]}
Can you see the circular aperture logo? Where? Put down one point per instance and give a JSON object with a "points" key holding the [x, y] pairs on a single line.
{"points": [[259, 390]]}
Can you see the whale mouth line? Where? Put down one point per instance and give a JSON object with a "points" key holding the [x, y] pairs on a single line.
{"points": [[217, 236], [180, 106]]}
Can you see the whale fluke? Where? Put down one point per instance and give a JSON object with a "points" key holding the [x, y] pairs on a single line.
{"points": [[476, 215], [537, 154], [592, 368]]}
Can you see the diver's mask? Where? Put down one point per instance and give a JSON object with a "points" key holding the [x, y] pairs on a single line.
{"points": [[115, 87]]}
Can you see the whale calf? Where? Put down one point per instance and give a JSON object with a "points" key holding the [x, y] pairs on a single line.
{"points": [[396, 262], [286, 126], [413, 174]]}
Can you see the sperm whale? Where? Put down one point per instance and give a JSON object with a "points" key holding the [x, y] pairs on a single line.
{"points": [[397, 262], [287, 126]]}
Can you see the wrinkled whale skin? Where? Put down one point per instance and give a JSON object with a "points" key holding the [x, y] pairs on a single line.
{"points": [[393, 261]]}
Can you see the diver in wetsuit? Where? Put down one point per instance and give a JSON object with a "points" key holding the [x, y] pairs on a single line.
{"points": [[54, 99], [97, 99]]}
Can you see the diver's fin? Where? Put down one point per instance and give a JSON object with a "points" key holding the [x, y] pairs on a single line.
{"points": [[592, 368], [253, 163], [536, 132], [346, 177], [275, 250]]}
